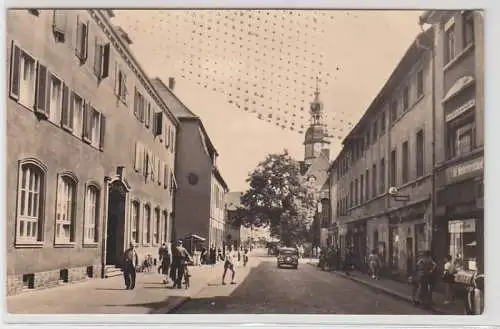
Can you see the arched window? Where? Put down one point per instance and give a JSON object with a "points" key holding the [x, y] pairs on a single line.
{"points": [[29, 228], [134, 227], [147, 224], [91, 216], [65, 209]]}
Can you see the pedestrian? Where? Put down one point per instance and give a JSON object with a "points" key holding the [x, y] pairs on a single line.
{"points": [[348, 261], [448, 279], [161, 250], [130, 263], [245, 257], [424, 271], [213, 255], [180, 256], [374, 264], [166, 261], [203, 256], [229, 265]]}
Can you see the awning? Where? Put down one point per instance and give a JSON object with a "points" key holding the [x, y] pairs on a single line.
{"points": [[195, 237], [459, 85]]}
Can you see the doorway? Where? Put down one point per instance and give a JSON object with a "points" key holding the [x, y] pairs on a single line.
{"points": [[410, 260], [116, 223]]}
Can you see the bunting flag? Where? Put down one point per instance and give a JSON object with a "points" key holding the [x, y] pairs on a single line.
{"points": [[262, 62]]}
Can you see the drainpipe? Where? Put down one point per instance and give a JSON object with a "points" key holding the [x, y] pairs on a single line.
{"points": [[430, 228]]}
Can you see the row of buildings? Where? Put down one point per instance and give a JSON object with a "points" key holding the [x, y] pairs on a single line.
{"points": [[98, 155], [410, 175]]}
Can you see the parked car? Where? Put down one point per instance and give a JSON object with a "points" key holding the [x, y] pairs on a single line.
{"points": [[288, 257]]}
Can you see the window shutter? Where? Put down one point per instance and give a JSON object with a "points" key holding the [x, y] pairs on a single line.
{"points": [[49, 90], [71, 110], [85, 120], [165, 175], [41, 90], [59, 21], [102, 132], [65, 107], [117, 80], [152, 161], [146, 163], [167, 138], [15, 70], [172, 142], [79, 36], [137, 156], [160, 172], [105, 53], [97, 58], [148, 114], [124, 87], [141, 107], [158, 124], [85, 40]]}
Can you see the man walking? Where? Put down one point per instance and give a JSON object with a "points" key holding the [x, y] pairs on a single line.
{"points": [[180, 257], [229, 265], [129, 265]]}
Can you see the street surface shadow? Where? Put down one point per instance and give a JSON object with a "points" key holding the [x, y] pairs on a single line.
{"points": [[110, 289]]}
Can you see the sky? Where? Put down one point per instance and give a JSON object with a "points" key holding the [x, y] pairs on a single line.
{"points": [[251, 74]]}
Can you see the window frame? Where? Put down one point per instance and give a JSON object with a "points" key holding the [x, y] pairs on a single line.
{"points": [[73, 112], [420, 82], [58, 241], [468, 21], [97, 214], [135, 226], [420, 153], [156, 226], [51, 77], [28, 103], [451, 130], [147, 238], [40, 219], [450, 44], [405, 162]]}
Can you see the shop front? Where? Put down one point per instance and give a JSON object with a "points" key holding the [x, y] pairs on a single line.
{"points": [[460, 218]]}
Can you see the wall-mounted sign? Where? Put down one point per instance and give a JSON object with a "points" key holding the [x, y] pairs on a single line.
{"points": [[465, 168], [462, 226], [461, 110]]}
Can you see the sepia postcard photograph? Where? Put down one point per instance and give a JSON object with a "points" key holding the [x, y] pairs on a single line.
{"points": [[244, 161]]}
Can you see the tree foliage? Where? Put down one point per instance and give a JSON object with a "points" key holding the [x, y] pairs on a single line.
{"points": [[279, 199]]}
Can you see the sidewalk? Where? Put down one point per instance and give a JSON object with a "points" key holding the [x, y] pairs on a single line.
{"points": [[108, 296], [401, 291]]}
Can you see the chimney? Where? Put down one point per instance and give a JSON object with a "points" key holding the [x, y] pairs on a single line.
{"points": [[171, 83]]}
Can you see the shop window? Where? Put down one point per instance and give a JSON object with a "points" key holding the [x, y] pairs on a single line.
{"points": [[463, 243]]}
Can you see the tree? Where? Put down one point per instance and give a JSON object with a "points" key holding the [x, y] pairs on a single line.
{"points": [[279, 199]]}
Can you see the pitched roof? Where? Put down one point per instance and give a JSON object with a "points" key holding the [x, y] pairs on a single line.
{"points": [[233, 200], [319, 169], [173, 102]]}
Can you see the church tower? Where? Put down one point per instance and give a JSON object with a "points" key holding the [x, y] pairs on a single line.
{"points": [[316, 138]]}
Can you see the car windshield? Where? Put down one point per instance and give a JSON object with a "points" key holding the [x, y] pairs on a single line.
{"points": [[288, 252]]}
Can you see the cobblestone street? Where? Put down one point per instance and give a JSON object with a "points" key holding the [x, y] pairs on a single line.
{"points": [[267, 289]]}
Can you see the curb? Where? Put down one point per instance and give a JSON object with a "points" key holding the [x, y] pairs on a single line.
{"points": [[387, 292]]}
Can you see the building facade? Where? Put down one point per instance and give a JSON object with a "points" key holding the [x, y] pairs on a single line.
{"points": [[459, 52], [80, 189], [390, 147], [199, 201]]}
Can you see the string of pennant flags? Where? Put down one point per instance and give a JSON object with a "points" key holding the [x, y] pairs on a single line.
{"points": [[263, 62]]}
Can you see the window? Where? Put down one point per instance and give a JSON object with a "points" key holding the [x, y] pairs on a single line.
{"points": [[367, 138], [134, 227], [374, 180], [22, 77], [367, 184], [405, 162], [165, 176], [65, 210], [356, 189], [147, 120], [82, 41], [121, 85], [375, 130], [351, 194], [30, 204], [382, 176], [165, 226], [406, 98], [420, 153], [463, 243], [468, 27], [95, 127], [147, 224], [393, 165], [156, 227], [449, 44], [59, 21], [77, 105], [101, 59], [55, 99], [394, 111], [139, 104], [361, 187], [420, 82], [382, 123], [91, 214], [461, 137]]}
